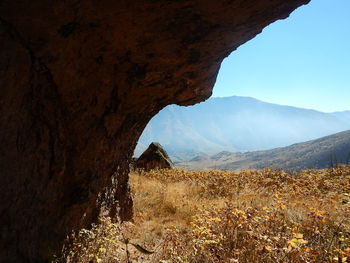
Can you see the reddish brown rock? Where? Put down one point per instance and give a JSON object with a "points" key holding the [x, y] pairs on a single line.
{"points": [[79, 81], [154, 157]]}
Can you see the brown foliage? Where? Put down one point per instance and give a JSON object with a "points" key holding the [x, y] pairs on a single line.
{"points": [[251, 216]]}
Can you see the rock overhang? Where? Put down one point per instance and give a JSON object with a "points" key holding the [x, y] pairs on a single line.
{"points": [[80, 80]]}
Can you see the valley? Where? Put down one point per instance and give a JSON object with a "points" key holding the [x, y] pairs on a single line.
{"points": [[236, 124]]}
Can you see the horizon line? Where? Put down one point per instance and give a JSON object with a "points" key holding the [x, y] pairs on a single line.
{"points": [[287, 105]]}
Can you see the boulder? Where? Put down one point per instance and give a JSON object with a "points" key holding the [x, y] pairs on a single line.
{"points": [[154, 157]]}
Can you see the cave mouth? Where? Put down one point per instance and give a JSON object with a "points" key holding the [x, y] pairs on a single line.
{"points": [[301, 62], [79, 82]]}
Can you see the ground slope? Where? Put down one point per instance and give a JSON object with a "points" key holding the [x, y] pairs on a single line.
{"points": [[320, 153]]}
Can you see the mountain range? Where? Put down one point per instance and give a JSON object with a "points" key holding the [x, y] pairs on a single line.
{"points": [[324, 152], [236, 124]]}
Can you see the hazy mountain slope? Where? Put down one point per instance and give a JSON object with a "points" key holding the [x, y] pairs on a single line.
{"points": [[320, 153], [235, 124], [343, 115], [176, 132]]}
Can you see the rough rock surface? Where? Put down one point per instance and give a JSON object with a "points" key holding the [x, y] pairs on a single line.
{"points": [[154, 157], [79, 81]]}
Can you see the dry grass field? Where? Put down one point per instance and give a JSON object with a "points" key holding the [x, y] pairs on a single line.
{"points": [[219, 216]]}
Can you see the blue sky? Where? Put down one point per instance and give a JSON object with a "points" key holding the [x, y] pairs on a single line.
{"points": [[302, 61]]}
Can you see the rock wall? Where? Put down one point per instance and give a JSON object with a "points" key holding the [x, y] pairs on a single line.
{"points": [[79, 81]]}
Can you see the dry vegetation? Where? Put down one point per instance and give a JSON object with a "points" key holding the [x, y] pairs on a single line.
{"points": [[216, 216]]}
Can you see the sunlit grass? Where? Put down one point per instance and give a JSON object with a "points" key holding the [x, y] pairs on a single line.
{"points": [[220, 216]]}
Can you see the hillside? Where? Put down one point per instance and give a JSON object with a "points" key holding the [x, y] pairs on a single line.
{"points": [[319, 153], [236, 124]]}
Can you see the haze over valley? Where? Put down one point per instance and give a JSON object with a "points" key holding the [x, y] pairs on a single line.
{"points": [[325, 152], [236, 124]]}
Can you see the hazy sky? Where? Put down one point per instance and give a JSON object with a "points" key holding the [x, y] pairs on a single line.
{"points": [[302, 61]]}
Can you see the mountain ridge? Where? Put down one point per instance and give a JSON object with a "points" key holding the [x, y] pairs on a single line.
{"points": [[236, 124], [320, 153]]}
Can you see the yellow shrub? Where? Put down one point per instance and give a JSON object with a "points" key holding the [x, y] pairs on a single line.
{"points": [[221, 216]]}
